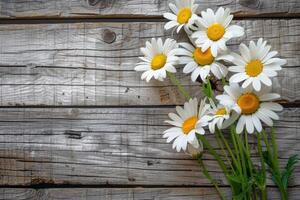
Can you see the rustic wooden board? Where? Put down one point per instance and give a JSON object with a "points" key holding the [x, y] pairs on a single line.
{"points": [[92, 63], [185, 193], [107, 146], [137, 8]]}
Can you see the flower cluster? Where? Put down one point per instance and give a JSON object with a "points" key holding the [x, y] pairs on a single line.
{"points": [[250, 103], [246, 104]]}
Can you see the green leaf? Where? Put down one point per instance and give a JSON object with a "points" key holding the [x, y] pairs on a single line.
{"points": [[289, 169], [260, 180]]}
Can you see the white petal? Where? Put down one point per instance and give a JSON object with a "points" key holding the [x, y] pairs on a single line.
{"points": [[245, 52], [256, 84], [214, 49], [170, 16], [257, 123], [269, 97], [236, 31], [277, 61], [272, 106], [247, 82], [190, 67], [227, 21], [215, 70], [236, 69], [181, 112], [249, 124], [269, 56], [264, 118], [233, 90], [269, 113], [204, 71], [173, 8], [184, 52], [174, 123], [195, 74], [240, 125], [171, 24], [142, 68], [187, 46], [238, 60], [239, 77], [265, 79]]}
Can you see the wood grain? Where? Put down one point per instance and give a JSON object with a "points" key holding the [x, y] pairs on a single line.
{"points": [[195, 193], [92, 63], [108, 146], [12, 9]]}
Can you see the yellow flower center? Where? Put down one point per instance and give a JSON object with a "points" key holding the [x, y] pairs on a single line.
{"points": [[203, 58], [249, 103], [221, 111], [184, 15], [254, 68], [158, 61], [189, 124], [215, 32]]}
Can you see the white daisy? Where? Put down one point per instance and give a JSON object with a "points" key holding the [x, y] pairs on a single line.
{"points": [[183, 14], [255, 65], [213, 30], [222, 116], [189, 121], [201, 63], [254, 106], [158, 59]]}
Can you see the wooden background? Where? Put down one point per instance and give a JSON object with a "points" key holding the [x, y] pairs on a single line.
{"points": [[76, 121]]}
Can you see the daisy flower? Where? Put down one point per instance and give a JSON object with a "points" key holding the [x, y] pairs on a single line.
{"points": [[189, 121], [201, 63], [253, 106], [256, 65], [159, 58], [222, 117], [213, 30], [183, 14]]}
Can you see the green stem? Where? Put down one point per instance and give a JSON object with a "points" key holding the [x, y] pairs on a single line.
{"points": [[274, 145], [282, 189], [221, 145], [275, 167], [229, 149], [263, 167], [232, 131], [213, 153], [242, 155], [283, 193], [247, 152], [176, 82], [266, 142], [209, 177]]}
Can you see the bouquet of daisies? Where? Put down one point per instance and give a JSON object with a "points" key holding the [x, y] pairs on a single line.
{"points": [[246, 104]]}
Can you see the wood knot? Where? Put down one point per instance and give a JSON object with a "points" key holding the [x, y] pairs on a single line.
{"points": [[101, 4], [93, 2], [73, 134], [250, 3], [108, 36]]}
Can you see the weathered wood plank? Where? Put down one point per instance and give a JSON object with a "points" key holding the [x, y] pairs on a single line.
{"points": [[137, 8], [92, 63], [103, 146], [195, 193]]}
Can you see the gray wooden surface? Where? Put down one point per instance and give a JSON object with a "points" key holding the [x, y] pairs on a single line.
{"points": [[76, 121]]}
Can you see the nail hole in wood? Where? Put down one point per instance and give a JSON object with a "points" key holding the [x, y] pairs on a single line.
{"points": [[250, 3], [108, 36], [93, 2]]}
